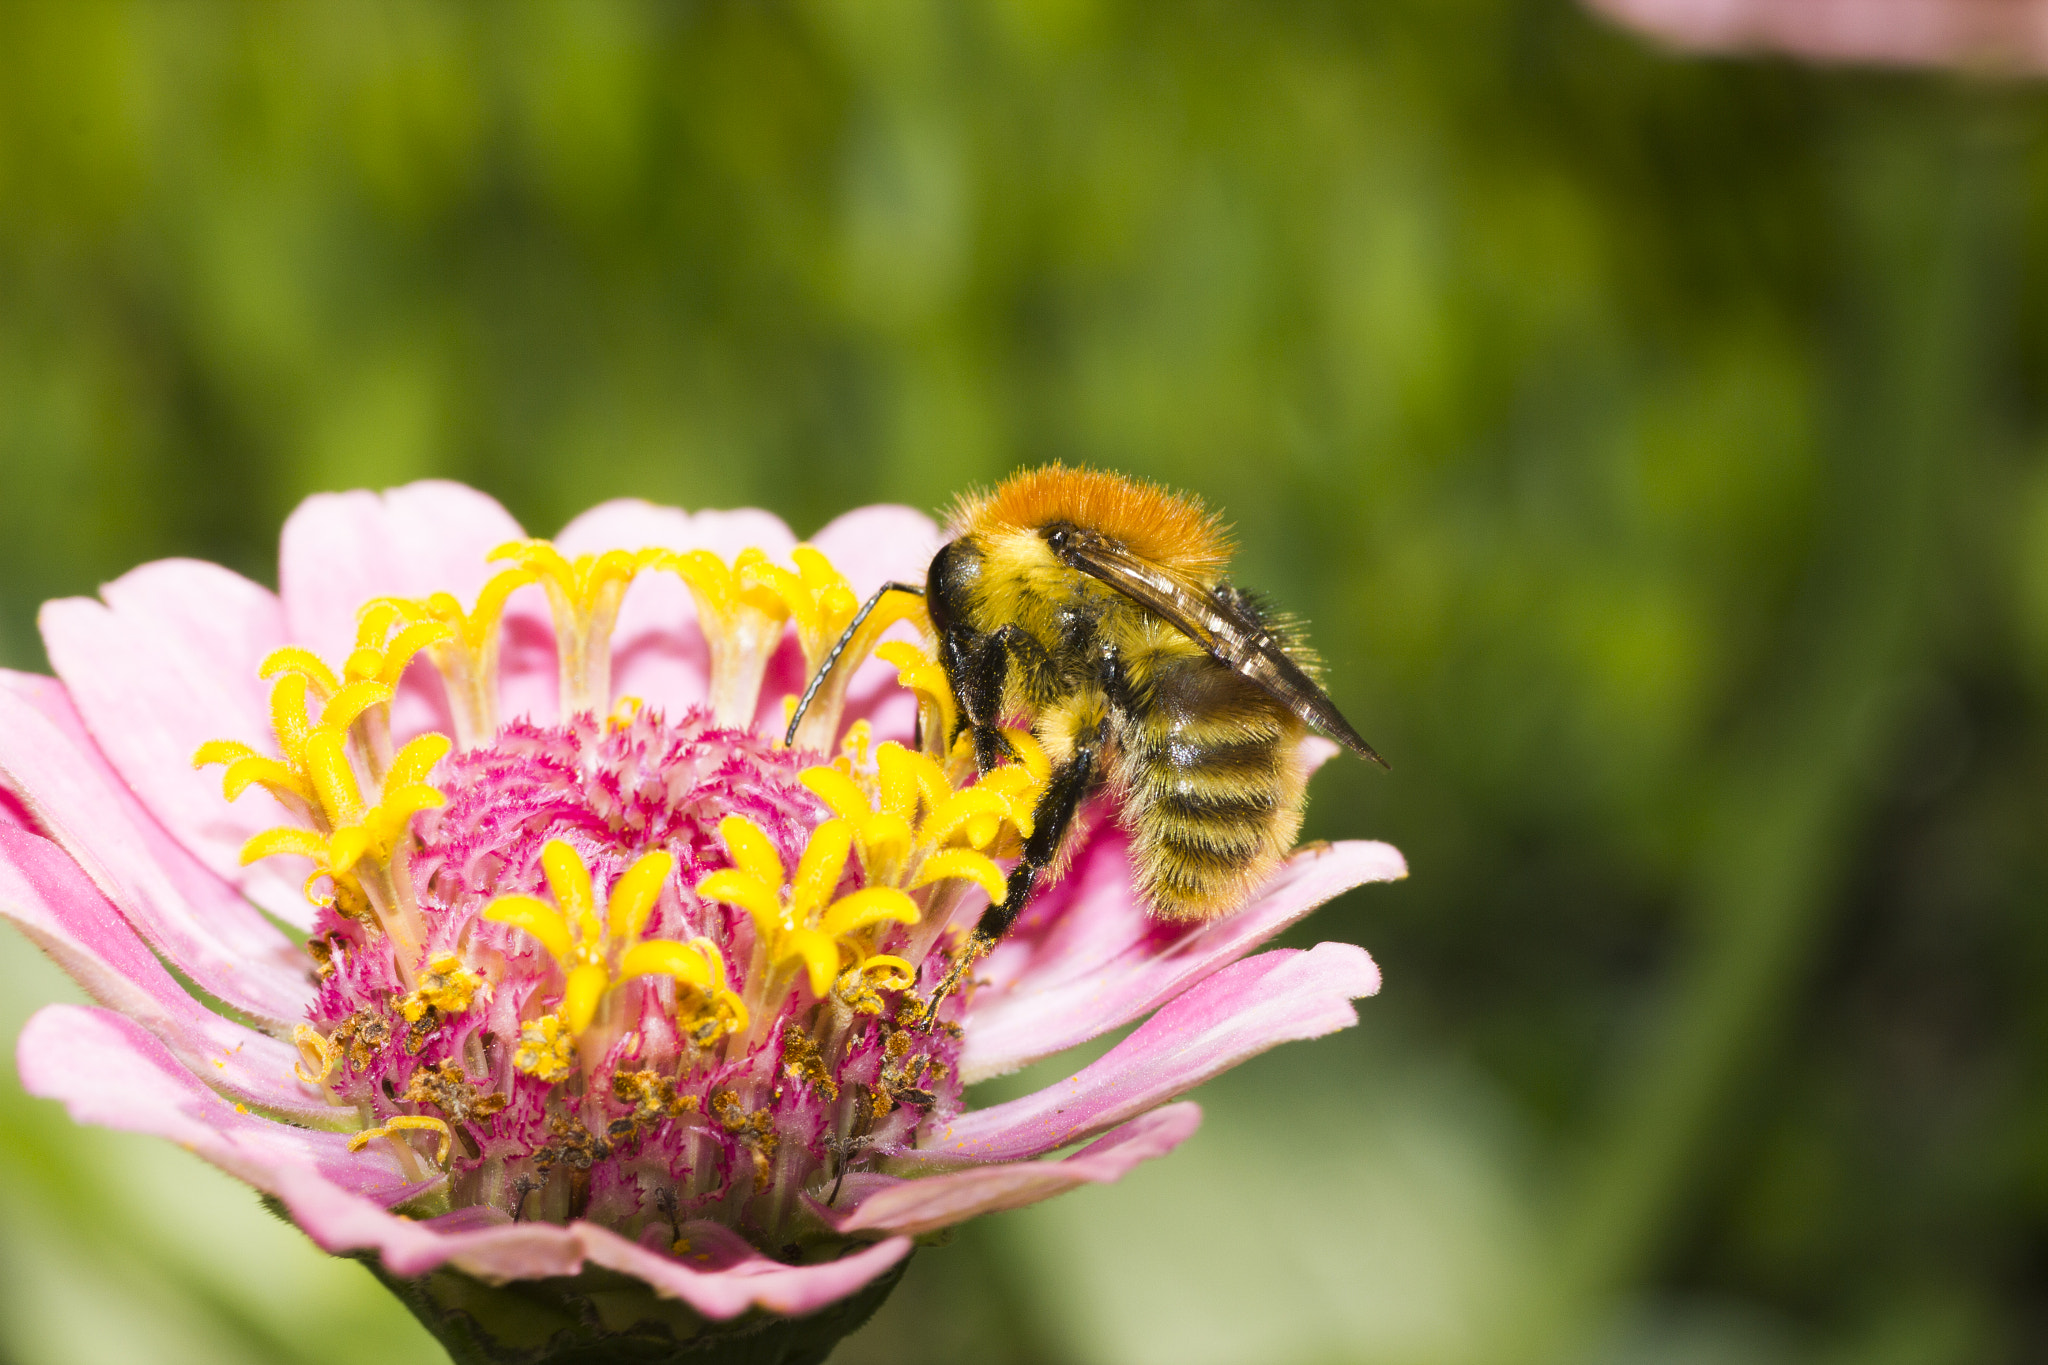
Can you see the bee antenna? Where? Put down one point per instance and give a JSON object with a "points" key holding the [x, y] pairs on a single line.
{"points": [[839, 647]]}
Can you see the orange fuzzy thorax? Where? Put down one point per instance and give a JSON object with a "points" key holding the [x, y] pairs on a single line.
{"points": [[1154, 523]]}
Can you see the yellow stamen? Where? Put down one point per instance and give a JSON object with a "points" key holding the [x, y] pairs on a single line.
{"points": [[539, 919], [305, 663], [587, 985], [742, 624], [271, 842], [288, 719], [860, 737], [380, 656], [333, 779], [634, 894], [918, 671], [866, 907], [345, 706], [584, 596], [664, 957], [468, 657], [823, 604], [752, 851], [313, 1050], [569, 879], [897, 852], [967, 865], [888, 972], [408, 1123], [413, 763], [838, 791], [596, 956], [715, 1011], [750, 894], [798, 921], [817, 596], [959, 808], [246, 768], [819, 954], [819, 871]]}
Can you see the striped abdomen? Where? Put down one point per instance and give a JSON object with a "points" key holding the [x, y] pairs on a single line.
{"points": [[1211, 777]]}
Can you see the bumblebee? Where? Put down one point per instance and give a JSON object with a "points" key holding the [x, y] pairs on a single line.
{"points": [[1097, 607]]}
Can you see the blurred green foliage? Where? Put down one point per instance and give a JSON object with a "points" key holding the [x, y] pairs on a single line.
{"points": [[1656, 446]]}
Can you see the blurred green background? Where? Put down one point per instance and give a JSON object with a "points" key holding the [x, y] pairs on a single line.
{"points": [[1659, 448]]}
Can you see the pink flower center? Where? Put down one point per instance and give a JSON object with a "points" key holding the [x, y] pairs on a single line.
{"points": [[642, 969]]}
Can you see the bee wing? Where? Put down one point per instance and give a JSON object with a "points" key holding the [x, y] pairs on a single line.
{"points": [[1227, 629]]}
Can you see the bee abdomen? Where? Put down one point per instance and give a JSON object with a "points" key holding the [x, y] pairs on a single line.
{"points": [[1210, 815]]}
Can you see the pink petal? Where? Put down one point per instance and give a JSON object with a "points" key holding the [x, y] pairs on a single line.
{"points": [[785, 677], [924, 1205], [1982, 34], [213, 936], [341, 1220], [341, 550], [12, 812], [658, 652], [44, 893], [787, 1289], [109, 1071], [1098, 961], [167, 663], [497, 1251], [872, 546], [1248, 1007]]}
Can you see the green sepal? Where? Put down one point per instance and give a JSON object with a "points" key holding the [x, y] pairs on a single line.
{"points": [[601, 1317]]}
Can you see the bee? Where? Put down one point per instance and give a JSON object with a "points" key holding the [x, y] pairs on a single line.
{"points": [[1098, 607]]}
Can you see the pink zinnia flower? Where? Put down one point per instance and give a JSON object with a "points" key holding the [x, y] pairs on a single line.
{"points": [[1981, 34], [596, 978]]}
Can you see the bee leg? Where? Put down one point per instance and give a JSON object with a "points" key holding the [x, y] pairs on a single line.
{"points": [[983, 670], [978, 666], [1051, 818], [1040, 677]]}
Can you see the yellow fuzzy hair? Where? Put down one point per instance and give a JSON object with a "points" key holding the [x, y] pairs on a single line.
{"points": [[1152, 522]]}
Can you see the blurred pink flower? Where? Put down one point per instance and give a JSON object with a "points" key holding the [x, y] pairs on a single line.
{"points": [[2010, 35], [608, 978]]}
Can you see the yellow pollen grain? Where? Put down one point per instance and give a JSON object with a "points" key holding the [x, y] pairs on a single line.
{"points": [[445, 985], [547, 1049]]}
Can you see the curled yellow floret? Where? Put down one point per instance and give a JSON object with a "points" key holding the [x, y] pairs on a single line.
{"points": [[742, 623], [357, 846], [798, 919], [464, 647], [583, 595], [408, 1123], [918, 671], [599, 950], [913, 828]]}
